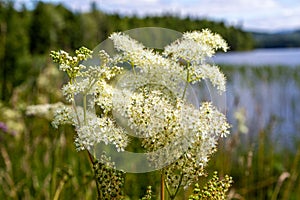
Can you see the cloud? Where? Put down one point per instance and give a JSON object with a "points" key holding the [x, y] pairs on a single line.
{"points": [[208, 7], [274, 23], [266, 15]]}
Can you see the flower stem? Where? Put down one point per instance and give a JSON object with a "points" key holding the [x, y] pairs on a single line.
{"points": [[60, 188], [74, 105], [162, 186], [132, 66], [84, 109], [97, 183], [186, 83], [177, 189]]}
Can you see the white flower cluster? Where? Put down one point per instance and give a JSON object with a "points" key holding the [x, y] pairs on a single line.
{"points": [[159, 115], [194, 134], [145, 60], [98, 130], [44, 110], [64, 115], [148, 101], [91, 129], [70, 64], [206, 37], [103, 97], [192, 50], [148, 112], [204, 127]]}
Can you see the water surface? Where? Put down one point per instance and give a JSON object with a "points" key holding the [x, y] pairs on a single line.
{"points": [[259, 57], [266, 83]]}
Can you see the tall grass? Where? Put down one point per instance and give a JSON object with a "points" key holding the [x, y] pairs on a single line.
{"points": [[258, 168], [41, 162]]}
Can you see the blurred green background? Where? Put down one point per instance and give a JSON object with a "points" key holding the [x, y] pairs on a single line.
{"points": [[40, 162]]}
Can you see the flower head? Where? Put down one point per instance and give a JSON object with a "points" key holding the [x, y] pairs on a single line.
{"points": [[144, 93], [192, 50]]}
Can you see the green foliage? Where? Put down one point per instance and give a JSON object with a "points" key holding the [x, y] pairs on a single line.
{"points": [[39, 163], [214, 189], [41, 28], [148, 195], [14, 55], [236, 38]]}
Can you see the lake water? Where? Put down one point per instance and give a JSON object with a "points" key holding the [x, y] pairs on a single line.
{"points": [[279, 56], [270, 95], [270, 102]]}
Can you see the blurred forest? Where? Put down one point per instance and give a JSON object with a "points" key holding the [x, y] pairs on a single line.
{"points": [[286, 39], [27, 36]]}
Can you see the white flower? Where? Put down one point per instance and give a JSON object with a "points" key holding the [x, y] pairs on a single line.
{"points": [[43, 110], [206, 37], [71, 64], [149, 101], [103, 96], [64, 115], [192, 50], [124, 43], [210, 72], [98, 130], [188, 50]]}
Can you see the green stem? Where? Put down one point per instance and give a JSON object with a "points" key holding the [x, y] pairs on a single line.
{"points": [[187, 82], [132, 66], [177, 189], [84, 109], [74, 105], [169, 193], [185, 87], [95, 175], [60, 187], [172, 196], [91, 84]]}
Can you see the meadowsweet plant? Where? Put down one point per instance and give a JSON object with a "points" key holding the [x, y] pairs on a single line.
{"points": [[148, 94], [215, 189]]}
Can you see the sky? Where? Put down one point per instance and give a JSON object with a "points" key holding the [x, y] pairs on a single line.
{"points": [[251, 15]]}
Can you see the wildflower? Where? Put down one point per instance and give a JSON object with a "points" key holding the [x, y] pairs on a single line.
{"points": [[103, 96], [98, 130], [3, 127], [143, 93], [214, 189], [64, 115], [44, 110], [124, 43], [206, 37], [12, 120], [70, 64], [192, 50]]}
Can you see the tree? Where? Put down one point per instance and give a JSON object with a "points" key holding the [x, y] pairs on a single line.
{"points": [[14, 56]]}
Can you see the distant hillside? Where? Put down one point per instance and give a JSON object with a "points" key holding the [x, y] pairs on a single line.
{"points": [[277, 40], [237, 38], [28, 35]]}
